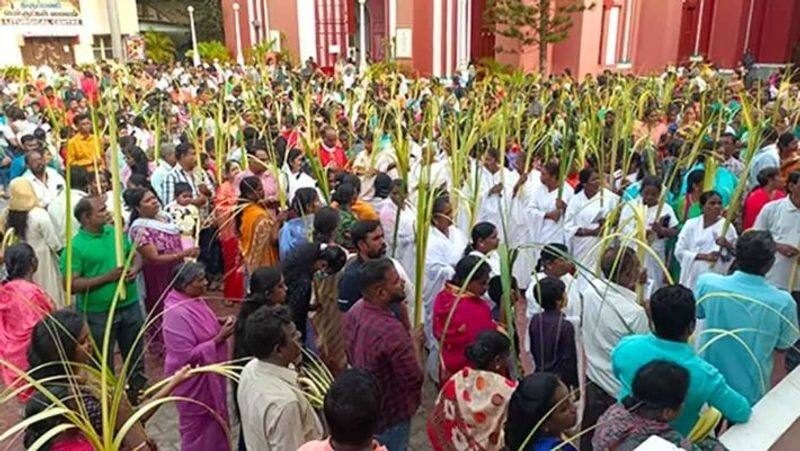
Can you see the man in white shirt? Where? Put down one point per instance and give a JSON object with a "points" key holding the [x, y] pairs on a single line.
{"points": [[610, 312], [58, 208], [275, 415], [782, 219], [766, 157], [47, 183], [165, 165]]}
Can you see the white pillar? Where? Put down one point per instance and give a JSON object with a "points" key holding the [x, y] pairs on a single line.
{"points": [[265, 28], [362, 34], [114, 29], [627, 35], [699, 29], [459, 32], [393, 26], [464, 19], [251, 22], [448, 68], [239, 55], [307, 29], [437, 38], [468, 43], [195, 53]]}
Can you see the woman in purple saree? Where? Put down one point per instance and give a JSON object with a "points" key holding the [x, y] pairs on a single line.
{"points": [[158, 242], [193, 335]]}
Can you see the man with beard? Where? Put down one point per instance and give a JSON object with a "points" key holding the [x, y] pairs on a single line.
{"points": [[378, 343], [47, 182], [369, 240]]}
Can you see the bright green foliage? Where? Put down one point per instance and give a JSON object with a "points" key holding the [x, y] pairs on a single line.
{"points": [[212, 51], [158, 46]]}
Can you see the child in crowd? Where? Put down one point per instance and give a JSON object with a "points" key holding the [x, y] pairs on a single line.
{"points": [[185, 215], [552, 336], [659, 389]]}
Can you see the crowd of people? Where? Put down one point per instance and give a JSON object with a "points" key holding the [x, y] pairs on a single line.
{"points": [[560, 274]]}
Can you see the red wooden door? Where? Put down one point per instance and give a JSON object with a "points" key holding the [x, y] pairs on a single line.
{"points": [[689, 16], [482, 40], [377, 28], [688, 34]]}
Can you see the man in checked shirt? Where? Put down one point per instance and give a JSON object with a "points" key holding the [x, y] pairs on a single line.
{"points": [[379, 343]]}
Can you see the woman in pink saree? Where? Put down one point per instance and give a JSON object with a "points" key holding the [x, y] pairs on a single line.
{"points": [[22, 305], [193, 335]]}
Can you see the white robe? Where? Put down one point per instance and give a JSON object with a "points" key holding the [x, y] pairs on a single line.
{"points": [[695, 239], [583, 212], [628, 223], [293, 182], [41, 235], [439, 176], [546, 231], [523, 224], [404, 249], [493, 208]]}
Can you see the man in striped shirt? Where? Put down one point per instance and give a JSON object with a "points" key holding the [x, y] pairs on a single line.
{"points": [[184, 171]]}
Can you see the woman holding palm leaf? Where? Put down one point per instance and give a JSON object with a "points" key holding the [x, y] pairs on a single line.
{"points": [[586, 216], [701, 247], [158, 242]]}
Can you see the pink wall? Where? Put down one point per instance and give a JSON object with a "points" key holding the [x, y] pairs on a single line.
{"points": [[283, 17], [229, 26], [580, 52], [727, 32], [655, 21], [422, 36], [779, 30], [405, 19]]}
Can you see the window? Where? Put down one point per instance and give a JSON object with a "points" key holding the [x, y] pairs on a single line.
{"points": [[612, 36], [101, 46]]}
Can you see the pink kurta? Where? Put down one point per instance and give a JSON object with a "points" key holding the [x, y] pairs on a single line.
{"points": [[471, 315], [189, 330], [22, 305]]}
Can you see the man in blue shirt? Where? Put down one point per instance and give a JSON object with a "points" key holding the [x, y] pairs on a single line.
{"points": [[672, 315], [747, 318]]}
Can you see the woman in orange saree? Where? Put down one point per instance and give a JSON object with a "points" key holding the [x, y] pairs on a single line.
{"points": [[258, 227]]}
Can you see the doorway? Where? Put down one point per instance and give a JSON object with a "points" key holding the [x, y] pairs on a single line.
{"points": [[482, 40], [49, 50], [688, 35]]}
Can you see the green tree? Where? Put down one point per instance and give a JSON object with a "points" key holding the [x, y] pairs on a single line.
{"points": [[158, 47], [532, 22], [208, 19]]}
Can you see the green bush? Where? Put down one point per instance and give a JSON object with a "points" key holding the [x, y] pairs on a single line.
{"points": [[210, 51]]}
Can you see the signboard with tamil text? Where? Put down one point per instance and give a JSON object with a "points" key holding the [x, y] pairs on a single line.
{"points": [[26, 13]]}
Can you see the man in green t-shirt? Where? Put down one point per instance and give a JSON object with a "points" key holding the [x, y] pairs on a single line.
{"points": [[95, 275]]}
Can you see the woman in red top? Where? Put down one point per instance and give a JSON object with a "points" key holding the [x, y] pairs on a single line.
{"points": [[461, 313], [769, 182]]}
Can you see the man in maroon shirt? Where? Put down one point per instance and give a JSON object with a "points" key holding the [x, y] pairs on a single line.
{"points": [[379, 343]]}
